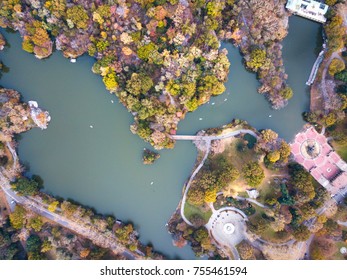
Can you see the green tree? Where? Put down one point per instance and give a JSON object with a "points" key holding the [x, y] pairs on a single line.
{"points": [[53, 206], [110, 81], [286, 93], [28, 46], [35, 223], [144, 52], [46, 246], [257, 59], [196, 196], [210, 195], [139, 84], [25, 186], [342, 76], [253, 173], [17, 218], [301, 182], [301, 233], [210, 85], [274, 156], [78, 16], [336, 66], [33, 245]]}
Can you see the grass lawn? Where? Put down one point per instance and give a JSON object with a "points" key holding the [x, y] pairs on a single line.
{"points": [[341, 150], [190, 210], [338, 255]]}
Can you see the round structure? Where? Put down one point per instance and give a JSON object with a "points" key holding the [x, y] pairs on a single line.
{"points": [[310, 149], [343, 250], [229, 228]]}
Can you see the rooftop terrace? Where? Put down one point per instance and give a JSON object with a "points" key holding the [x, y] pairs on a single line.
{"points": [[310, 9]]}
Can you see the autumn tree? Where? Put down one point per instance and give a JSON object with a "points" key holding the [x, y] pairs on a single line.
{"points": [[246, 251], [196, 196], [77, 16], [17, 217], [273, 156], [35, 223], [257, 59], [301, 182], [139, 84], [286, 93], [336, 66], [253, 173], [301, 233], [210, 85]]}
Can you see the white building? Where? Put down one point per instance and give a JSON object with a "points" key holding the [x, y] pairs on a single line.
{"points": [[310, 9]]}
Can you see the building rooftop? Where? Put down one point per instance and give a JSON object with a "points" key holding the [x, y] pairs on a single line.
{"points": [[314, 153], [310, 9]]}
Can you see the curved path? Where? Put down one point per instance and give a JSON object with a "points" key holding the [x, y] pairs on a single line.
{"points": [[207, 140]]}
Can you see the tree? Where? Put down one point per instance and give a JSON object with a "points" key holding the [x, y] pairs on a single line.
{"points": [[336, 66], [196, 196], [301, 181], [46, 246], [33, 243], [210, 85], [139, 84], [25, 186], [110, 81], [257, 59], [78, 16], [17, 218], [28, 46], [146, 51], [35, 223], [284, 151], [286, 93], [330, 2], [269, 135], [342, 76], [210, 195], [301, 233], [53, 206], [246, 251], [253, 173], [274, 156]]}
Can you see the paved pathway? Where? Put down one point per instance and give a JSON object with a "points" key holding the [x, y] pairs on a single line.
{"points": [[207, 140], [214, 137]]}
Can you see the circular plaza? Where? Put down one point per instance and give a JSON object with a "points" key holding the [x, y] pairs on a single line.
{"points": [[227, 226]]}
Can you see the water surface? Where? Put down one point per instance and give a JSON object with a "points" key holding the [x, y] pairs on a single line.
{"points": [[101, 166]]}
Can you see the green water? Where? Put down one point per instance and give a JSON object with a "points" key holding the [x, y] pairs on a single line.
{"points": [[101, 166]]}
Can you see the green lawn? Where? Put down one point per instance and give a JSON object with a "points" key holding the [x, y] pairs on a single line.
{"points": [[190, 210]]}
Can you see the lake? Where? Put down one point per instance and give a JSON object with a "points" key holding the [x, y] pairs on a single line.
{"points": [[101, 166]]}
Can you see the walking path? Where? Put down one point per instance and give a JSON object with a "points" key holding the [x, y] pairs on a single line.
{"points": [[315, 67], [207, 140], [213, 137]]}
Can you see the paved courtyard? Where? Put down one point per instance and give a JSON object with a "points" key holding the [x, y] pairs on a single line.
{"points": [[314, 153], [227, 226]]}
